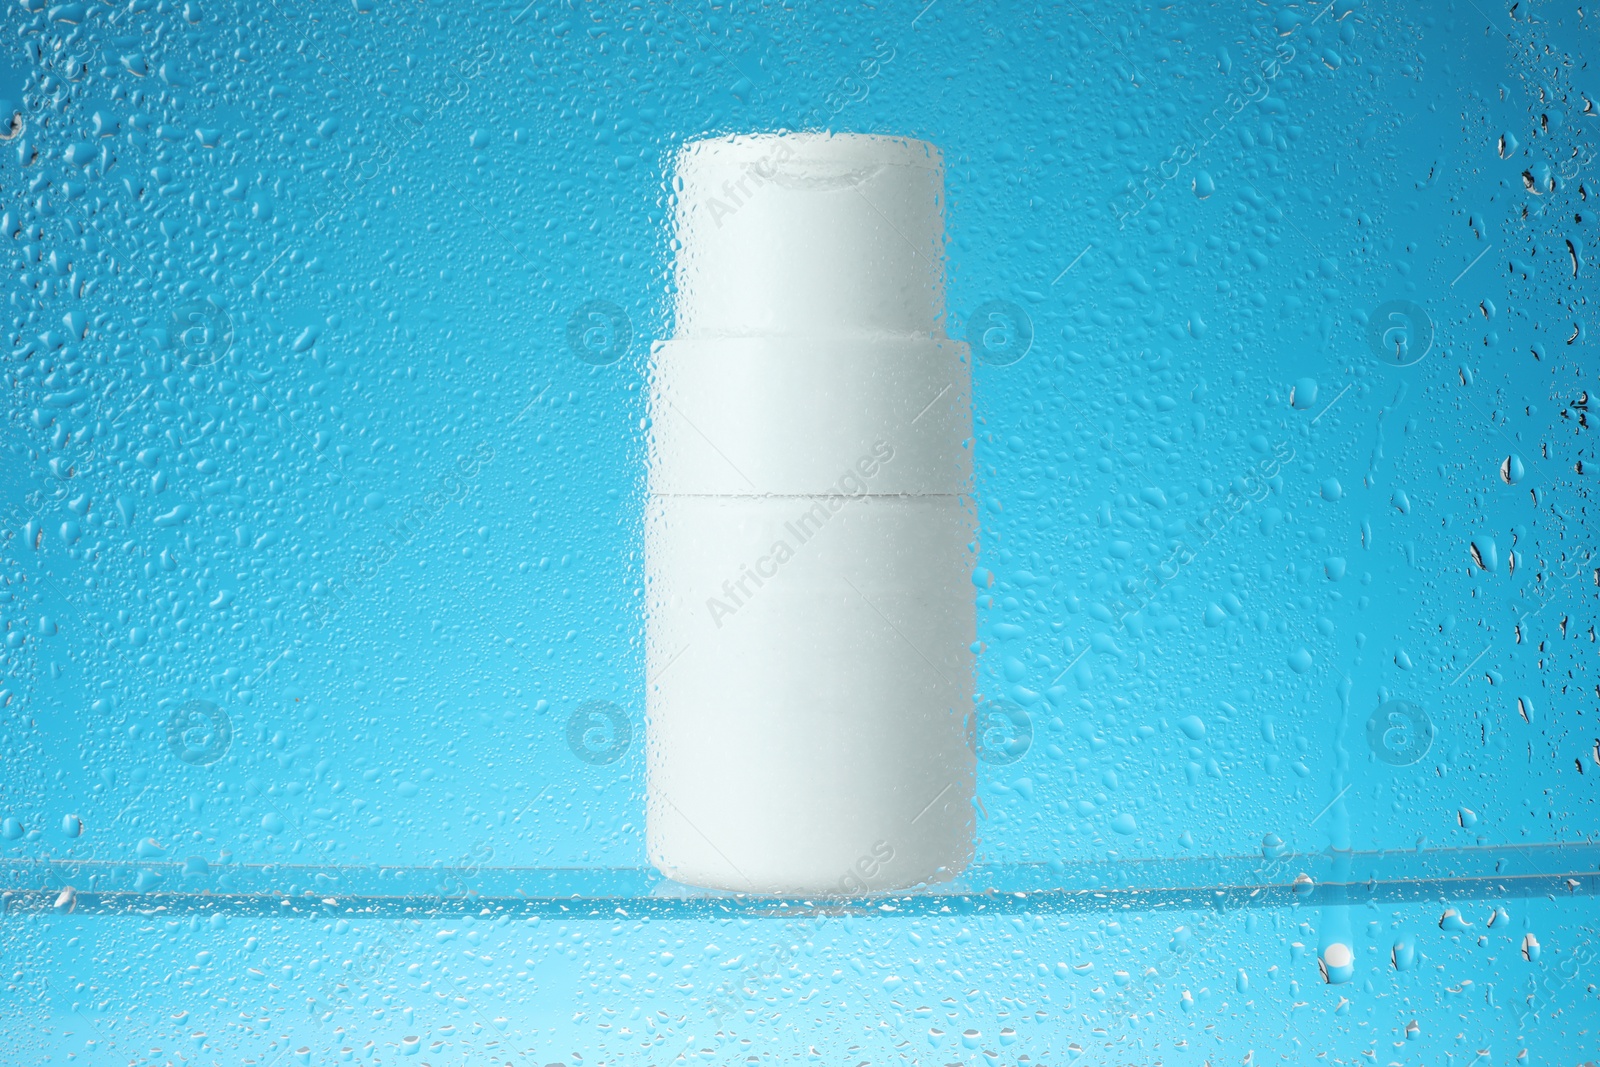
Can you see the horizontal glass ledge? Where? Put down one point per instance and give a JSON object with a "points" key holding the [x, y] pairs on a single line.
{"points": [[109, 887]]}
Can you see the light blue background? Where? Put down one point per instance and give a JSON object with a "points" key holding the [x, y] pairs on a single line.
{"points": [[387, 520]]}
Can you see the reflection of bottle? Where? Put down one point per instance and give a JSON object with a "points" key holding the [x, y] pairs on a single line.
{"points": [[1335, 941], [1336, 954], [808, 541]]}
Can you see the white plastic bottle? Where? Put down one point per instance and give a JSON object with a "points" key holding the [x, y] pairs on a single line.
{"points": [[808, 537]]}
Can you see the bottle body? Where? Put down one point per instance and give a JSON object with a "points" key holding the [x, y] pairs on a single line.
{"points": [[809, 535]]}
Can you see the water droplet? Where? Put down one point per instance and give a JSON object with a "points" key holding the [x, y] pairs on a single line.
{"points": [[1303, 394], [1337, 963], [1485, 553]]}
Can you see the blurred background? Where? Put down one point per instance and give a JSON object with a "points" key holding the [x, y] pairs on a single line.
{"points": [[328, 347]]}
